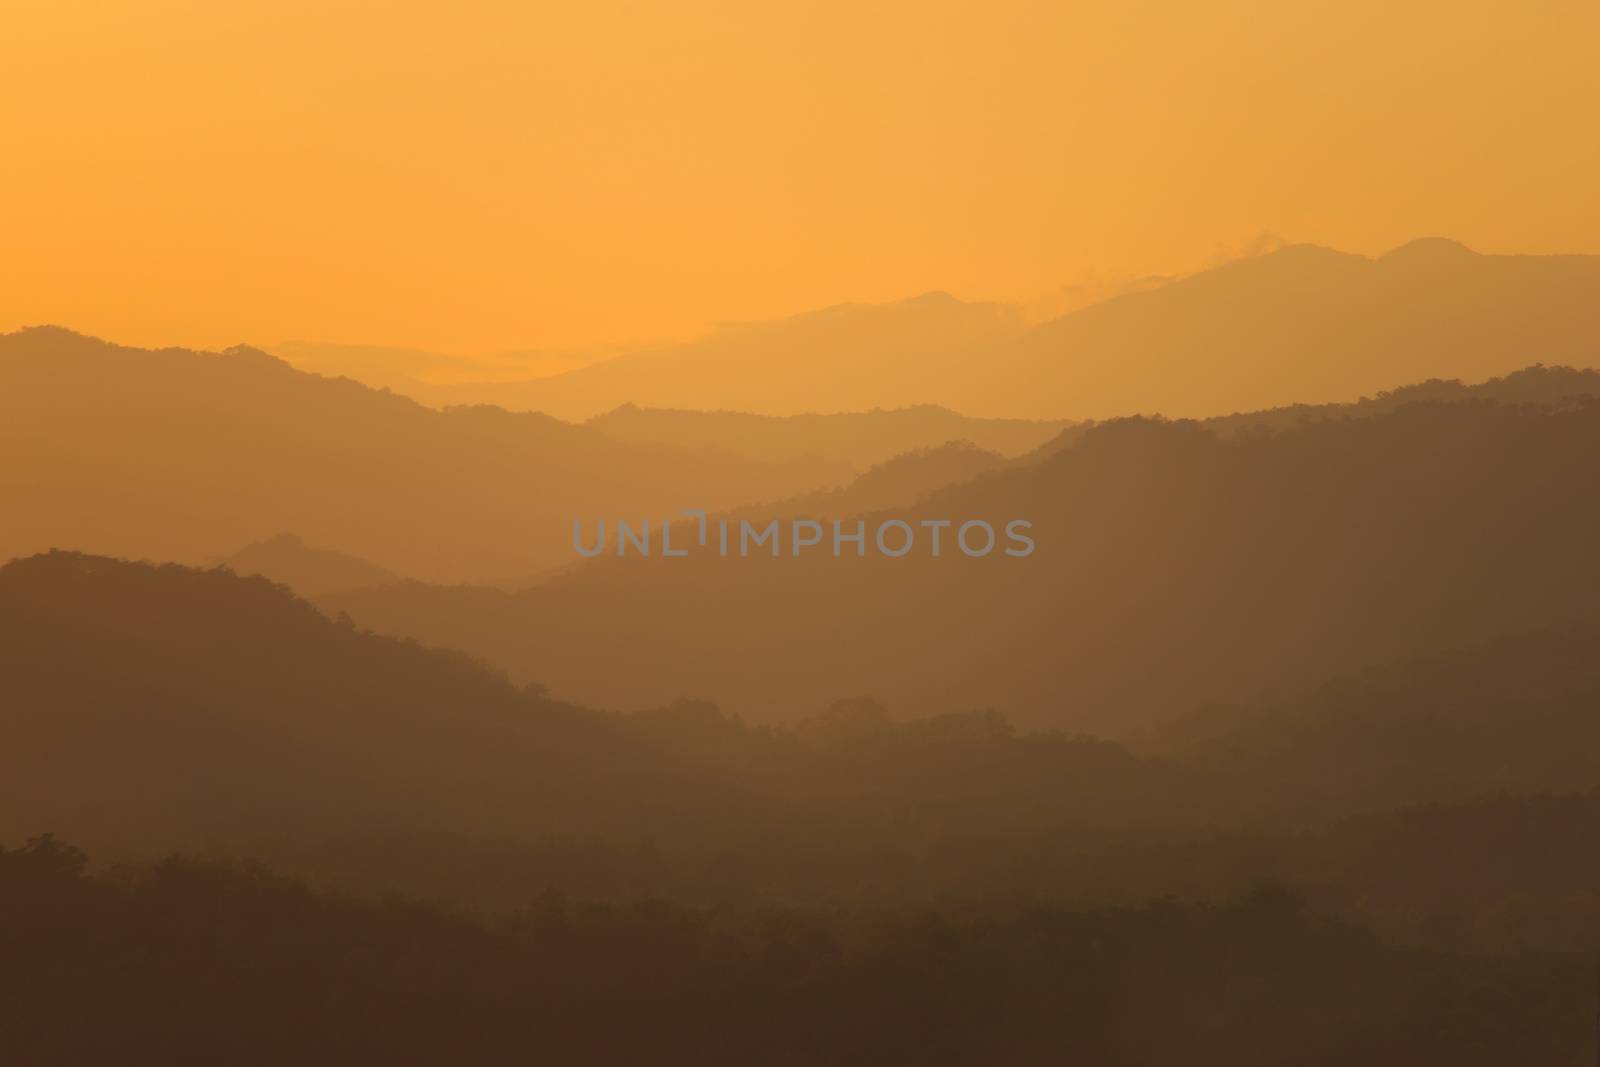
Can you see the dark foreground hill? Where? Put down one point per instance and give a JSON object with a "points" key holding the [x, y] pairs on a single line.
{"points": [[149, 703], [853, 890], [1175, 565], [186, 962], [149, 708], [1517, 714]]}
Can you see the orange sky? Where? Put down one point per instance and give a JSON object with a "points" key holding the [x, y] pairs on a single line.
{"points": [[489, 174]]}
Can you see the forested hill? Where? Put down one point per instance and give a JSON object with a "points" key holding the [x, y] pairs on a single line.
{"points": [[156, 707], [1175, 566]]}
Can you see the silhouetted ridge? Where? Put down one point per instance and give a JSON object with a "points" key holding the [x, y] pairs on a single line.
{"points": [[1514, 715], [152, 707], [182, 455], [309, 571], [200, 961], [251, 355], [1176, 564], [1300, 324], [139, 598], [1428, 250], [842, 358], [895, 483], [863, 438]]}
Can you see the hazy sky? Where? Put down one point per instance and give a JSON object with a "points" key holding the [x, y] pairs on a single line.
{"points": [[487, 174]]}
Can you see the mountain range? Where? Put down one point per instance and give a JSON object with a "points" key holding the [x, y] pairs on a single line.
{"points": [[159, 707], [309, 571], [1298, 324], [1176, 563], [863, 439], [182, 455]]}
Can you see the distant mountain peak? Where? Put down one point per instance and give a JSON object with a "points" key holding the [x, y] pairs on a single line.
{"points": [[254, 355], [1302, 250], [286, 559], [1293, 258], [1427, 249], [52, 330], [59, 338]]}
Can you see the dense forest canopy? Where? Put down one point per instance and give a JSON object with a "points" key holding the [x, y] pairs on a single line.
{"points": [[1253, 979]]}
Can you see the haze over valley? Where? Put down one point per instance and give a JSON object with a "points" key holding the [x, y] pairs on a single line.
{"points": [[855, 534]]}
